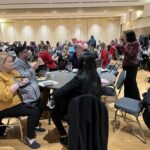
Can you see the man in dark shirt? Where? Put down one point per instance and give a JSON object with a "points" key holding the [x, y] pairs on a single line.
{"points": [[78, 51]]}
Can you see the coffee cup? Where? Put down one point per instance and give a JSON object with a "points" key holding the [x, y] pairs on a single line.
{"points": [[99, 70]]}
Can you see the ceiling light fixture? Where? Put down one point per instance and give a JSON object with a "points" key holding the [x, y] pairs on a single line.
{"points": [[26, 21], [131, 9], [43, 20], [3, 13], [79, 11], [105, 11], [54, 12]]}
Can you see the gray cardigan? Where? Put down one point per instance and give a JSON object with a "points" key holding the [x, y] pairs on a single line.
{"points": [[31, 92]]}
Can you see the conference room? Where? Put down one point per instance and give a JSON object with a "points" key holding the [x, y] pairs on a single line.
{"points": [[75, 74]]}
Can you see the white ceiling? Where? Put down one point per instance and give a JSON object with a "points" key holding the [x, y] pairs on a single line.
{"points": [[35, 9], [9, 4]]}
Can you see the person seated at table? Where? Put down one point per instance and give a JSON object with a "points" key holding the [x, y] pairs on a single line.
{"points": [[78, 51], [47, 59], [30, 93], [35, 59], [87, 81], [63, 59], [10, 100]]}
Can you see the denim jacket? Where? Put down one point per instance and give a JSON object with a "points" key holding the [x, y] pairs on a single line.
{"points": [[31, 92]]}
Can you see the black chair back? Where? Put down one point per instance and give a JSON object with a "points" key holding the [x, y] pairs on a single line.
{"points": [[88, 123]]}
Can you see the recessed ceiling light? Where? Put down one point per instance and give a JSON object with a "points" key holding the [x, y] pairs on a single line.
{"points": [[60, 20], [105, 11], [2, 20], [54, 12], [79, 11], [3, 13], [131, 9]]}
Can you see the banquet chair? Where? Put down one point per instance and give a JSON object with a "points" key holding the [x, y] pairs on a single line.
{"points": [[114, 90], [113, 68], [88, 123], [16, 123], [132, 107]]}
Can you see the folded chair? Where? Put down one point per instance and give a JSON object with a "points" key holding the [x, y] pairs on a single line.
{"points": [[132, 107]]}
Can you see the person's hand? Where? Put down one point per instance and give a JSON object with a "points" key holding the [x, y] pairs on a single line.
{"points": [[23, 82], [35, 65]]}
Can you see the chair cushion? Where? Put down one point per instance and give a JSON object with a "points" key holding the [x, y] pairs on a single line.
{"points": [[108, 91], [129, 105]]}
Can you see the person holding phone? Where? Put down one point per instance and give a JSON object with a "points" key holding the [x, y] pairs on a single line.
{"points": [[11, 101]]}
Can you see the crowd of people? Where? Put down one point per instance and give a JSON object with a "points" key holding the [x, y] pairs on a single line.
{"points": [[20, 63]]}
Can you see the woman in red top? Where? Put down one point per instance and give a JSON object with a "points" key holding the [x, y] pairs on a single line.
{"points": [[47, 58], [112, 49], [104, 55]]}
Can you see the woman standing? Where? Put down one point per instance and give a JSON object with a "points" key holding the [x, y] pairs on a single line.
{"points": [[104, 55], [130, 64]]}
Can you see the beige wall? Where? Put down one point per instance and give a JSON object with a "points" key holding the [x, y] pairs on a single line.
{"points": [[146, 10], [138, 20], [137, 24], [104, 29], [143, 31]]}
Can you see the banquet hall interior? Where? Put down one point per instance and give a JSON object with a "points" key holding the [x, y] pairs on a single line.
{"points": [[68, 23]]}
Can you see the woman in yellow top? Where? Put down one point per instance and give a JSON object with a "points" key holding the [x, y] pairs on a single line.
{"points": [[10, 101]]}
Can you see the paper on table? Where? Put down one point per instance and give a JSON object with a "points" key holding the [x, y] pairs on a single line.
{"points": [[105, 81], [47, 83], [104, 70]]}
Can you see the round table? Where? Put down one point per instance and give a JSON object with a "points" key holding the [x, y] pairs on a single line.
{"points": [[62, 77]]}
